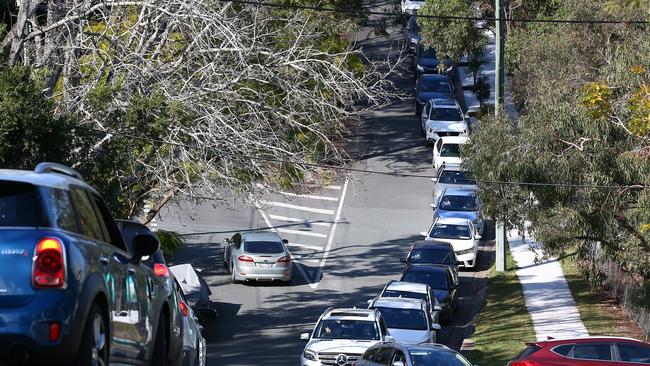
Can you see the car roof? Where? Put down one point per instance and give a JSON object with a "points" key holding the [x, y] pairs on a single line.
{"points": [[555, 341], [454, 139], [351, 314], [461, 191], [428, 267], [420, 288], [428, 347], [260, 236], [445, 103], [399, 303], [434, 77], [432, 244], [50, 180], [452, 221]]}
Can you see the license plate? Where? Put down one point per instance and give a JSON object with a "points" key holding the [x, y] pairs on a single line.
{"points": [[265, 265]]}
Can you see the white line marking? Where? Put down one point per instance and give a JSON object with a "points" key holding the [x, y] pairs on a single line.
{"points": [[298, 232], [337, 188], [310, 196], [308, 260], [296, 207], [305, 221], [330, 241], [298, 245]]}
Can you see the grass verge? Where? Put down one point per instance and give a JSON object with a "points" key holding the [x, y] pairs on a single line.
{"points": [[504, 324]]}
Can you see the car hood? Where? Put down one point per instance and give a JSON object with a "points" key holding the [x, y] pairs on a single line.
{"points": [[468, 215], [340, 345], [458, 244], [410, 336], [440, 187], [426, 96], [428, 61], [441, 295], [447, 126]]}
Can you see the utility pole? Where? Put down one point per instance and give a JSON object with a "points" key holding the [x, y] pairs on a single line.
{"points": [[499, 13]]}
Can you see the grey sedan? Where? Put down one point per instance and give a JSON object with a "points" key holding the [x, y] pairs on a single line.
{"points": [[257, 256], [396, 354]]}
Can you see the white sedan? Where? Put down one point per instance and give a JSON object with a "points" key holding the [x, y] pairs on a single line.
{"points": [[446, 151], [461, 234]]}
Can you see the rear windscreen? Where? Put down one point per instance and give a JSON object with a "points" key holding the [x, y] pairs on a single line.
{"points": [[20, 205], [263, 247]]}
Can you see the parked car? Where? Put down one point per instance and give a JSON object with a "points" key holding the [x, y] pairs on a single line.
{"points": [[411, 6], [430, 87], [460, 233], [586, 351], [450, 175], [396, 354], [257, 256], [426, 61], [412, 290], [441, 280], [460, 202], [412, 36], [342, 335], [194, 346], [70, 289], [408, 320], [433, 252], [195, 291], [446, 151], [442, 117]]}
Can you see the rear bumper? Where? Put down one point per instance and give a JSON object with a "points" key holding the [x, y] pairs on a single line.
{"points": [[264, 274]]}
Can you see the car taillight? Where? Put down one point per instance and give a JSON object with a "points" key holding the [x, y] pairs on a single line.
{"points": [[55, 331], [183, 307], [160, 270], [285, 259], [49, 264], [245, 258], [525, 363]]}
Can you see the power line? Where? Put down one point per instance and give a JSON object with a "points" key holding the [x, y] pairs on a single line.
{"points": [[438, 17], [365, 171]]}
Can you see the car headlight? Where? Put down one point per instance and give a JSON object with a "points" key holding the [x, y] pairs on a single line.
{"points": [[310, 355], [420, 68], [465, 251], [430, 130]]}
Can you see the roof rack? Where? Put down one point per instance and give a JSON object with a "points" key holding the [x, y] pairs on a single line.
{"points": [[58, 169]]}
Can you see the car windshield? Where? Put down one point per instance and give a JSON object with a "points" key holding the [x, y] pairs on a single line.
{"points": [[413, 319], [435, 256], [435, 279], [414, 26], [447, 231], [19, 205], [363, 330], [446, 114], [436, 357], [263, 247], [428, 53], [450, 150], [404, 294], [435, 85], [459, 203], [454, 177]]}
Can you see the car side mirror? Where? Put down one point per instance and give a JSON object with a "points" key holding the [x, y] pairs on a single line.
{"points": [[285, 241], [424, 234], [145, 245], [436, 326], [434, 179], [437, 308], [389, 339], [433, 205], [304, 337], [403, 260], [478, 237]]}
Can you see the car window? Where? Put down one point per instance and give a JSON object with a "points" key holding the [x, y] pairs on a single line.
{"points": [[633, 353], [593, 351], [438, 144], [114, 235], [60, 209], [563, 350], [435, 256], [450, 150], [436, 280], [454, 177], [263, 247], [20, 205], [459, 203], [450, 231], [88, 221], [404, 294], [438, 357], [383, 356], [347, 329], [447, 114], [399, 358], [370, 353], [412, 319], [383, 326], [430, 86]]}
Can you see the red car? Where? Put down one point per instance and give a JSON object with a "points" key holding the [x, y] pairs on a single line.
{"points": [[587, 351]]}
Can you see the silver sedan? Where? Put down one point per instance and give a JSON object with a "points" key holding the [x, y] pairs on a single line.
{"points": [[257, 256]]}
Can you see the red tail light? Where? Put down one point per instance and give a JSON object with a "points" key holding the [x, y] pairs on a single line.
{"points": [[55, 331], [49, 264], [245, 258], [160, 270], [525, 363], [183, 307], [285, 259]]}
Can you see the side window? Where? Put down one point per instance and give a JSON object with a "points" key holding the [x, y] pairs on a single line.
{"points": [[61, 211], [370, 353], [384, 356], [634, 353], [88, 221], [113, 234], [600, 351], [563, 350], [382, 326], [236, 240], [439, 146], [398, 359]]}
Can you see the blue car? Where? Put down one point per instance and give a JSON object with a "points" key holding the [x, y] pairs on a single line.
{"points": [[71, 292], [432, 86]]}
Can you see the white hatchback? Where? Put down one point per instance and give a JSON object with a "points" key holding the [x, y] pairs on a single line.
{"points": [[442, 117], [461, 234], [446, 151]]}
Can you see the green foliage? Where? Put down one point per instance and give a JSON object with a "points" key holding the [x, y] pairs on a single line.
{"points": [[450, 37], [170, 242], [29, 133]]}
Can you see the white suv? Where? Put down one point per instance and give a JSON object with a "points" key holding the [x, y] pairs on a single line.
{"points": [[442, 117], [341, 336]]}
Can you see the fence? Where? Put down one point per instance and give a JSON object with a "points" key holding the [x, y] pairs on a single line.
{"points": [[623, 286]]}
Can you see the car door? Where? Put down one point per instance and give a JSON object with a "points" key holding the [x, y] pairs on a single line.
{"points": [[592, 354], [632, 354]]}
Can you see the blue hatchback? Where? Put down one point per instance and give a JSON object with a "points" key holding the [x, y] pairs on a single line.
{"points": [[70, 291]]}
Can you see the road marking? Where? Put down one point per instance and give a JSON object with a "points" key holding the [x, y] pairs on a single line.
{"points": [[302, 221], [330, 241], [310, 196], [296, 207], [301, 258], [305, 246], [298, 232], [337, 188]]}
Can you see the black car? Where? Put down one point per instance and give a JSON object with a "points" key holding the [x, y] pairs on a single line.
{"points": [[426, 61], [441, 280], [71, 291], [412, 35], [433, 252], [433, 86]]}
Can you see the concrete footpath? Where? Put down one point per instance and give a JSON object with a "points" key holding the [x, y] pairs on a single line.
{"points": [[548, 297]]}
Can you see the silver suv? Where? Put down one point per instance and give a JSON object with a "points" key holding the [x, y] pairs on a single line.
{"points": [[341, 336]]}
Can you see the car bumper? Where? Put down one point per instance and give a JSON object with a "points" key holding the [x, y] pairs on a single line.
{"points": [[265, 274], [306, 362], [469, 259]]}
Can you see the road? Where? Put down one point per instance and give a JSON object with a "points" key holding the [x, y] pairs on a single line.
{"points": [[347, 239]]}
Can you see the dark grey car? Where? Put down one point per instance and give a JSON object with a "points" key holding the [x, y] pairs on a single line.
{"points": [[396, 354]]}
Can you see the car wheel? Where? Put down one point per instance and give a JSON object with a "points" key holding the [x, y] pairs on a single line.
{"points": [[94, 348], [161, 345], [233, 275]]}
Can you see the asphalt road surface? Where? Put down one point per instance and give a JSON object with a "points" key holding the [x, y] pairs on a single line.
{"points": [[347, 240]]}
